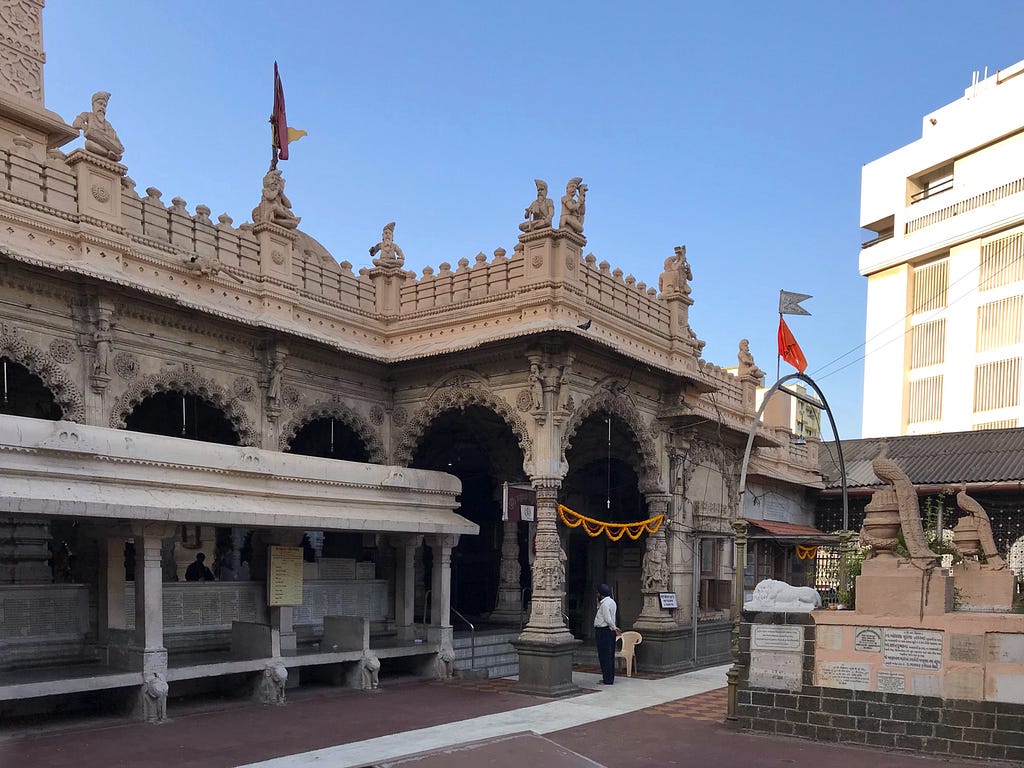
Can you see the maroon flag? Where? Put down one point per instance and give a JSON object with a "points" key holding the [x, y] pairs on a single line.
{"points": [[279, 120]]}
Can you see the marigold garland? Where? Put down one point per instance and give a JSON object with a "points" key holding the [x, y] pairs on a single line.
{"points": [[613, 531], [806, 553]]}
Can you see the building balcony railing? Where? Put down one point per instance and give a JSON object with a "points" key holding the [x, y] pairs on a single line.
{"points": [[963, 206], [880, 238]]}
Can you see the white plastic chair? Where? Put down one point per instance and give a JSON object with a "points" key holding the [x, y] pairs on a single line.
{"points": [[629, 641]]}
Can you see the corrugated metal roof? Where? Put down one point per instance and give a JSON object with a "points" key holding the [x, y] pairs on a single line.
{"points": [[950, 458]]}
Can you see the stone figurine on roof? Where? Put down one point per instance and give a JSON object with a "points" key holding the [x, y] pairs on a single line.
{"points": [[677, 273], [100, 136], [390, 254], [541, 211], [747, 366], [275, 207], [574, 206]]}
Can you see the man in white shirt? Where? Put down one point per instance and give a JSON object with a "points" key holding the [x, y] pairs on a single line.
{"points": [[605, 632]]}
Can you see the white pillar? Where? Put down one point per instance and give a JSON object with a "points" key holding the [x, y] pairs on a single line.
{"points": [[509, 609], [441, 586], [405, 584], [111, 587]]}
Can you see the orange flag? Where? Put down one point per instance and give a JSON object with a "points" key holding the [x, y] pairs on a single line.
{"points": [[789, 350]]}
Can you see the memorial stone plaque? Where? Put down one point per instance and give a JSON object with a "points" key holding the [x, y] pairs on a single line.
{"points": [[774, 637], [891, 682], [829, 638], [366, 569], [1005, 648], [842, 674], [966, 648], [776, 669], [912, 648], [926, 685], [337, 568], [1006, 687], [867, 639]]}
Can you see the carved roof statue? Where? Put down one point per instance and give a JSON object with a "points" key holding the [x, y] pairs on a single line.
{"points": [[880, 534], [100, 136], [275, 207], [746, 360], [541, 211], [390, 254], [677, 273], [973, 532], [574, 206]]}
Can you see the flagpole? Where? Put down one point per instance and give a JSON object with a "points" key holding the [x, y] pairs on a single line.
{"points": [[778, 357]]}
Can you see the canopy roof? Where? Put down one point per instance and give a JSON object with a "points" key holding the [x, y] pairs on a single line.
{"points": [[72, 470]]}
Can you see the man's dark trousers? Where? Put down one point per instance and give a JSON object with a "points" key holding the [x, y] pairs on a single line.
{"points": [[605, 640]]}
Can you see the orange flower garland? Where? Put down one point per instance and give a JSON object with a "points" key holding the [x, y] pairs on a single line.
{"points": [[806, 553], [613, 531]]}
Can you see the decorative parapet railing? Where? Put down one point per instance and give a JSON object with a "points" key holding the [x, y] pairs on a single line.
{"points": [[963, 206]]}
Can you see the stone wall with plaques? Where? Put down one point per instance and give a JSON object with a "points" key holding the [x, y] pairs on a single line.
{"points": [[949, 685], [40, 623]]}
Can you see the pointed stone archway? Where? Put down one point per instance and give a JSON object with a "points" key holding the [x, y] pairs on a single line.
{"points": [[65, 393], [189, 383], [349, 429]]}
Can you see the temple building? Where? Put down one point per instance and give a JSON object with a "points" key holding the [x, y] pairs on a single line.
{"points": [[186, 398]]}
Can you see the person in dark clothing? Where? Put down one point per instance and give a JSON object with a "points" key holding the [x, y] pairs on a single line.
{"points": [[605, 632], [198, 570]]}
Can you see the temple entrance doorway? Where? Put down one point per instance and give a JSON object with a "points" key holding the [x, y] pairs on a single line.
{"points": [[602, 484], [181, 414], [476, 445], [24, 394]]}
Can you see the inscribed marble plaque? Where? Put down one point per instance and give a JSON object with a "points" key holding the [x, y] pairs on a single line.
{"points": [[891, 682], [777, 670], [1004, 648], [828, 637], [926, 685], [337, 568], [284, 582], [965, 683], [773, 637], [366, 570], [966, 648], [1006, 687], [912, 648], [842, 674], [867, 639]]}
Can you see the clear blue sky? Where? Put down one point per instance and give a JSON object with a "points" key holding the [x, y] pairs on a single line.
{"points": [[737, 129]]}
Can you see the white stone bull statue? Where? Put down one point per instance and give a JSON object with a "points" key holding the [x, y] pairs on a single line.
{"points": [[773, 596]]}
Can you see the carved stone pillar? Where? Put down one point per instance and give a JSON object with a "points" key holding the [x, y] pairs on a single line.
{"points": [[733, 675], [111, 588], [510, 602], [440, 629], [546, 646], [405, 584], [668, 646]]}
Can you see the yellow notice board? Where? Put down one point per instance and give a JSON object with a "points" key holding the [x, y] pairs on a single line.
{"points": [[284, 582]]}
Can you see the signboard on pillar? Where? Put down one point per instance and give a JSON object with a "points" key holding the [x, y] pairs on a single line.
{"points": [[284, 579], [518, 503]]}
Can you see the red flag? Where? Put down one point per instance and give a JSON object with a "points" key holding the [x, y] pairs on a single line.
{"points": [[789, 350], [279, 120]]}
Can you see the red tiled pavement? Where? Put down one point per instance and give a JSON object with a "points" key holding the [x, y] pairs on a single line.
{"points": [[688, 732]]}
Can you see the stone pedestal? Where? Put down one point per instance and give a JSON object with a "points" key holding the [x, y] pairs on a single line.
{"points": [[888, 586], [982, 589], [545, 669], [665, 650], [99, 185]]}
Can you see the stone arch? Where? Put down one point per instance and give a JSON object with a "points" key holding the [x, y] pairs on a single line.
{"points": [[65, 392], [192, 383], [646, 467], [460, 397], [341, 413]]}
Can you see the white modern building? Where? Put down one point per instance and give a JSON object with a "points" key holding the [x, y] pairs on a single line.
{"points": [[945, 268]]}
